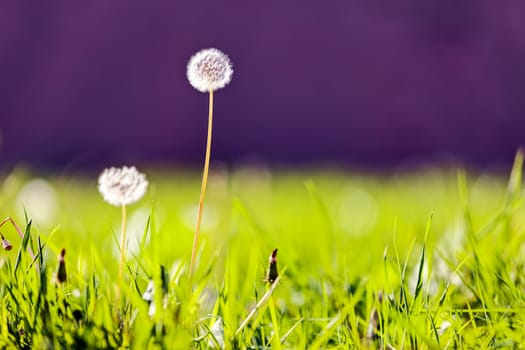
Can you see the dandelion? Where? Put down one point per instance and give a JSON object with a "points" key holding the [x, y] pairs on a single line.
{"points": [[39, 198], [121, 187], [208, 70]]}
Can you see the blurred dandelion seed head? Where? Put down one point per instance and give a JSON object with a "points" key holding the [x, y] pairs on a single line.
{"points": [[210, 214], [209, 69], [122, 186], [39, 199]]}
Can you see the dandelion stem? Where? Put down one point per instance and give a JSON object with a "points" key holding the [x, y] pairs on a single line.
{"points": [[122, 243], [203, 187]]}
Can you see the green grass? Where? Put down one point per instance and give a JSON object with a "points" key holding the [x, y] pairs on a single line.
{"points": [[429, 260]]}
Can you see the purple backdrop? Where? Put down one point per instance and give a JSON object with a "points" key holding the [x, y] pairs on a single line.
{"points": [[361, 82]]}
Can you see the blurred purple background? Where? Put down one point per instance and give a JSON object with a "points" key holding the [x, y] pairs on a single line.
{"points": [[368, 83]]}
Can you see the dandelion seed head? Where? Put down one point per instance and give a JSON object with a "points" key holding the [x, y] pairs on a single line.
{"points": [[209, 69], [122, 186]]}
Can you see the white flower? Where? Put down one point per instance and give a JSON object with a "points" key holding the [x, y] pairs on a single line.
{"points": [[76, 293], [149, 293], [217, 330], [444, 326], [122, 186], [149, 296], [209, 69]]}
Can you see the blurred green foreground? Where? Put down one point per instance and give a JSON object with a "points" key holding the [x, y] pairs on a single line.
{"points": [[443, 248]]}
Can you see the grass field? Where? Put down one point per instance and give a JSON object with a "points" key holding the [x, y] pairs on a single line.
{"points": [[429, 260]]}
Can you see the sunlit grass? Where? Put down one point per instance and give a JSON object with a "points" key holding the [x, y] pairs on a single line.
{"points": [[443, 248]]}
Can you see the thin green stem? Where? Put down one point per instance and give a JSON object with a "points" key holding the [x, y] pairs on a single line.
{"points": [[276, 338], [203, 187], [122, 244], [264, 299]]}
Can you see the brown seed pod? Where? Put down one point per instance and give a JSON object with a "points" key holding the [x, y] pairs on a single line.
{"points": [[62, 273], [5, 243], [272, 273]]}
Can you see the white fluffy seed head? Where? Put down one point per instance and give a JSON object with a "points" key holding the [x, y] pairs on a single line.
{"points": [[209, 69], [149, 293], [122, 186]]}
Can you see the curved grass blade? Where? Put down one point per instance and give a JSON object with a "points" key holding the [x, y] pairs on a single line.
{"points": [[23, 246]]}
